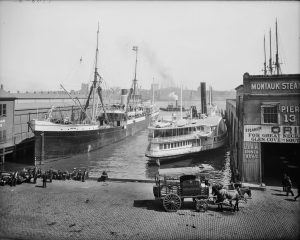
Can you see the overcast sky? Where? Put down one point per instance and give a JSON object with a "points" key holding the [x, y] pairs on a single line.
{"points": [[41, 43]]}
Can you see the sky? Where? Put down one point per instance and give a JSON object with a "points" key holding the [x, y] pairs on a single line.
{"points": [[179, 42]]}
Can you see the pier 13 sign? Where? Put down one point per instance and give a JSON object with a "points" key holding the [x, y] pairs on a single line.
{"points": [[274, 134]]}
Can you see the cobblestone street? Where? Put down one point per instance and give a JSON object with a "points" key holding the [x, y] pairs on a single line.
{"points": [[115, 210]]}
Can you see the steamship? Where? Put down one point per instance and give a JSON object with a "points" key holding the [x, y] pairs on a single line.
{"points": [[172, 108], [96, 127], [182, 137]]}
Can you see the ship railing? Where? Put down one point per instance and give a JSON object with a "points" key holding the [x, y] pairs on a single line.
{"points": [[172, 138]]}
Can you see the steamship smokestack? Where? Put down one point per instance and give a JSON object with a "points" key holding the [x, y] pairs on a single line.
{"points": [[203, 97], [124, 93]]}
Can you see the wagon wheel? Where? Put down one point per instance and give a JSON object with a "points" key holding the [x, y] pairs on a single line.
{"points": [[201, 204], [171, 202]]}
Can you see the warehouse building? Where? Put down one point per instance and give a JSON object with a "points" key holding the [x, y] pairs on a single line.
{"points": [[263, 123]]}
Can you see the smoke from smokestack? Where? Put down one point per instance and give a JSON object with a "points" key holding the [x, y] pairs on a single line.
{"points": [[173, 96], [165, 77]]}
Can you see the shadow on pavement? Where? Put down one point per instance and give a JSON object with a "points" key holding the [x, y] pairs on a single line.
{"points": [[276, 190], [149, 205], [156, 205], [290, 199], [279, 194]]}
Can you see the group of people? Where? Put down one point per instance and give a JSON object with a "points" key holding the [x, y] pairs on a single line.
{"points": [[287, 186], [30, 175], [19, 177]]}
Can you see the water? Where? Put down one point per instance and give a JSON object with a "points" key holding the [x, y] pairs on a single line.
{"points": [[126, 159]]}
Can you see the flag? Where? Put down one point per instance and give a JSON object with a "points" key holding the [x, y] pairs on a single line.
{"points": [[134, 48]]}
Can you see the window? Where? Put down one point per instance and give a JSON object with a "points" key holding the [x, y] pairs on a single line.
{"points": [[269, 113], [2, 110], [3, 136]]}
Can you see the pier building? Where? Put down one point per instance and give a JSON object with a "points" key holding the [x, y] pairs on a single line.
{"points": [[263, 123], [16, 110], [7, 106]]}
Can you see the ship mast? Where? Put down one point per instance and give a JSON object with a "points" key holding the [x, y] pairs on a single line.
{"points": [[93, 91], [270, 60], [277, 66], [265, 65], [96, 74], [181, 101], [153, 92], [135, 48]]}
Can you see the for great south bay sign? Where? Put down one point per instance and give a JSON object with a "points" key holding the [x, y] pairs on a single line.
{"points": [[272, 134]]}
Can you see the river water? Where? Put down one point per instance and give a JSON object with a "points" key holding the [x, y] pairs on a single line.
{"points": [[126, 159]]}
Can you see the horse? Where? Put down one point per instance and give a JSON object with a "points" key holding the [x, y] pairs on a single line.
{"points": [[223, 194], [241, 190]]}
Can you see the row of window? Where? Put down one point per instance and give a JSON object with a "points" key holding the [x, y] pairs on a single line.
{"points": [[2, 110], [174, 145], [178, 131]]}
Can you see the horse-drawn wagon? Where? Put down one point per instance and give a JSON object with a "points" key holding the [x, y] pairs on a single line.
{"points": [[173, 185]]}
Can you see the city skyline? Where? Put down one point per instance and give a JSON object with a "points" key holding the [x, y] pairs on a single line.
{"points": [[45, 44]]}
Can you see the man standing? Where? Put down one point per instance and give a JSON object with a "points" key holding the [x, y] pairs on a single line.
{"points": [[51, 174], [35, 173], [44, 176], [298, 186], [83, 175], [289, 186]]}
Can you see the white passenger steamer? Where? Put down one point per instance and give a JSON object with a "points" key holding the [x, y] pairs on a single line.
{"points": [[177, 138]]}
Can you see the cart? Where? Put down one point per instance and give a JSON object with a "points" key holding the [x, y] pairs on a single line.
{"points": [[173, 185]]}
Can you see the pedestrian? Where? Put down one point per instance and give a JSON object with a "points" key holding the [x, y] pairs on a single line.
{"points": [[237, 175], [103, 177], [51, 174], [15, 178], [289, 186], [83, 175], [12, 177], [298, 186], [35, 173], [44, 176], [284, 182]]}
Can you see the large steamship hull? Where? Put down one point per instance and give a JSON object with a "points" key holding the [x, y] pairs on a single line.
{"points": [[57, 144]]}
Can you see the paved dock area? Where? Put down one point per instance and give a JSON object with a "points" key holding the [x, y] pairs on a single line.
{"points": [[119, 210]]}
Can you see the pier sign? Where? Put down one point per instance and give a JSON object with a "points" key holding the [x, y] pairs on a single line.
{"points": [[272, 134], [251, 151], [274, 86]]}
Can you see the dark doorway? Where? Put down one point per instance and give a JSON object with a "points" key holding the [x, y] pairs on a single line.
{"points": [[279, 158]]}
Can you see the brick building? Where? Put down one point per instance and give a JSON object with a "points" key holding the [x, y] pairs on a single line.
{"points": [[264, 123]]}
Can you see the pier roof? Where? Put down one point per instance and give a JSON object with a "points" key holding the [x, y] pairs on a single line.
{"points": [[6, 95]]}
